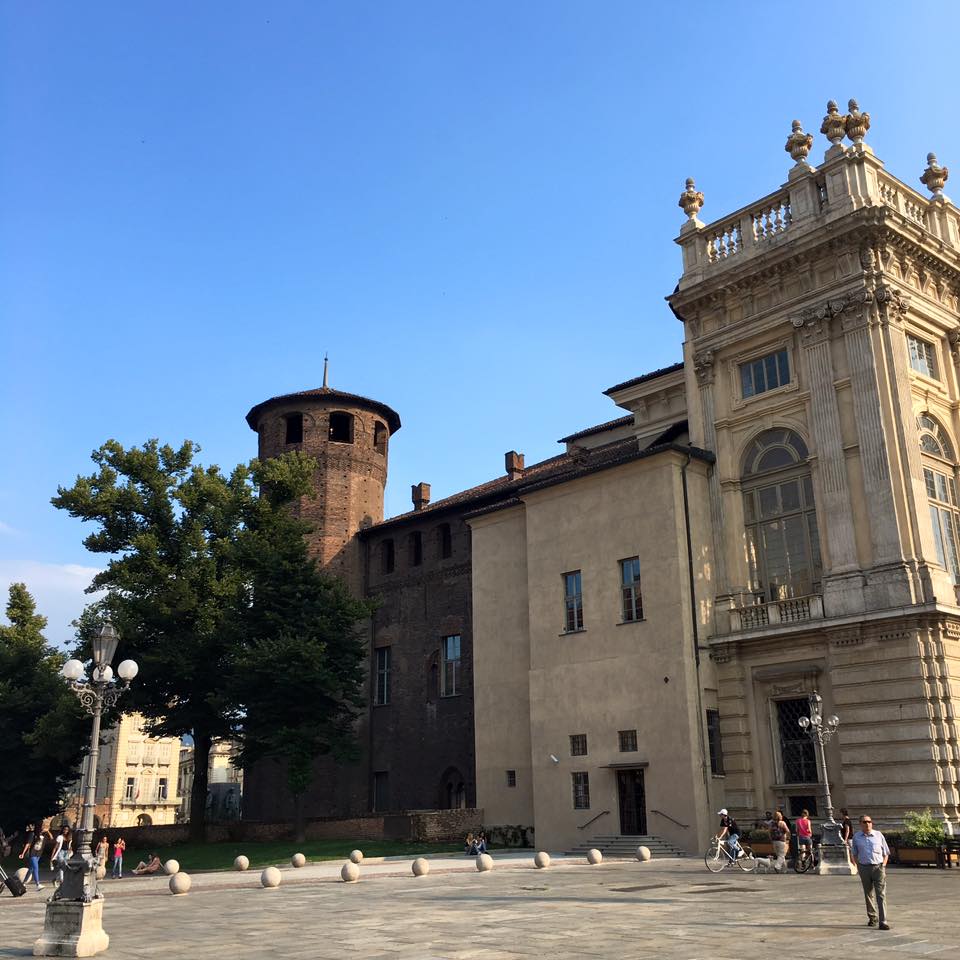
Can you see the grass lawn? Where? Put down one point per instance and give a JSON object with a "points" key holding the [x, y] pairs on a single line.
{"points": [[220, 856]]}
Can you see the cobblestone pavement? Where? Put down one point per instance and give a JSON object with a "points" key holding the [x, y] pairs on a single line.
{"points": [[665, 909]]}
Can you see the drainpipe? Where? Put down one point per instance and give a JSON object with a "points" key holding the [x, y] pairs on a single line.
{"points": [[694, 626]]}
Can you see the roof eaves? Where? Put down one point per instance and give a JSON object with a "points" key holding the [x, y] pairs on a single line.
{"points": [[599, 428], [653, 375]]}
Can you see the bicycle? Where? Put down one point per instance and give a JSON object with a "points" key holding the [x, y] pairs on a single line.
{"points": [[718, 857], [806, 859]]}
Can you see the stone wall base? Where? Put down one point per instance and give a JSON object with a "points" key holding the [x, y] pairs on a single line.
{"points": [[72, 928]]}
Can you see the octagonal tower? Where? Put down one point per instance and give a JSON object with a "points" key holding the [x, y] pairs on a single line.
{"points": [[349, 436]]}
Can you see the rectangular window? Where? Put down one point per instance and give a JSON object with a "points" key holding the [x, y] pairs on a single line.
{"points": [[628, 741], [581, 790], [444, 541], [294, 428], [162, 789], [130, 789], [578, 745], [416, 548], [716, 747], [798, 760], [382, 692], [511, 778], [381, 790], [450, 666], [630, 589], [765, 373], [150, 752], [923, 357], [166, 751], [386, 556], [573, 601], [133, 752]]}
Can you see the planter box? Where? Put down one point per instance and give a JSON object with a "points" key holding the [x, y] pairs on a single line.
{"points": [[916, 856], [762, 848]]}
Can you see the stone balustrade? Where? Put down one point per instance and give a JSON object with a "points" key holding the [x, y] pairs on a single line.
{"points": [[757, 616]]}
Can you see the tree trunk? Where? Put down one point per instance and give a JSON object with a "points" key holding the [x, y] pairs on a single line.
{"points": [[299, 825], [198, 795]]}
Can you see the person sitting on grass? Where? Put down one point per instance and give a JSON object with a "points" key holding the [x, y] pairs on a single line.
{"points": [[152, 866], [470, 845]]}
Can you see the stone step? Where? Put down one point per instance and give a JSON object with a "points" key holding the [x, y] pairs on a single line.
{"points": [[624, 845]]}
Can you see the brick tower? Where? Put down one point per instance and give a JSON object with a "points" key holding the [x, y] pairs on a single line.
{"points": [[349, 436]]}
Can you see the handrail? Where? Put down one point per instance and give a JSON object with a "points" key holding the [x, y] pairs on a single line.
{"points": [[593, 819], [667, 815]]}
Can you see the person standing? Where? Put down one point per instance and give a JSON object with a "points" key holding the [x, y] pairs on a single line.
{"points": [[846, 831], [33, 849], [780, 835], [103, 851], [872, 853], [62, 848], [119, 845], [804, 835]]}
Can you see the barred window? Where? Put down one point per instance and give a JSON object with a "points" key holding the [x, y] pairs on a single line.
{"points": [[628, 741], [511, 778], [578, 744], [798, 759], [581, 790]]}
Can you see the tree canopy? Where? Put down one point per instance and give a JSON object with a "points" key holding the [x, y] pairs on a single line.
{"points": [[42, 729]]}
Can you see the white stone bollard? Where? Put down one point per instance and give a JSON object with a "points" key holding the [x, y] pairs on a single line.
{"points": [[420, 867], [484, 862], [171, 867], [643, 854], [349, 872], [22, 874], [241, 863], [298, 860], [542, 860], [270, 878], [180, 883], [356, 856], [594, 856]]}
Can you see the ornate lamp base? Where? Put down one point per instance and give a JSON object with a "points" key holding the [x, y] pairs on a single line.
{"points": [[72, 928]]}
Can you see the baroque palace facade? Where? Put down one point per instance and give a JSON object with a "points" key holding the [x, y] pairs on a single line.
{"points": [[622, 638]]}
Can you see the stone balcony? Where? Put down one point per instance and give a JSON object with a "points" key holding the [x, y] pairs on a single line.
{"points": [[754, 616]]}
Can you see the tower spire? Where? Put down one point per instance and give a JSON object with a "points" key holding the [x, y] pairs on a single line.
{"points": [[326, 362]]}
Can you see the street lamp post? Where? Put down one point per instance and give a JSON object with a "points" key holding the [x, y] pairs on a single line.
{"points": [[73, 925], [833, 853]]}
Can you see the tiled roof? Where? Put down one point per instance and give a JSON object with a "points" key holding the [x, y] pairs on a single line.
{"points": [[662, 372], [503, 491], [599, 428], [326, 393]]}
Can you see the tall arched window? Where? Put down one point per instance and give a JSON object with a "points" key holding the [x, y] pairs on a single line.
{"points": [[939, 474], [783, 544]]}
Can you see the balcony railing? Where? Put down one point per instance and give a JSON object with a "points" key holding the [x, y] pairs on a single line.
{"points": [[757, 616]]}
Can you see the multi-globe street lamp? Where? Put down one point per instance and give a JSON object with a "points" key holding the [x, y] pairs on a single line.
{"points": [[833, 853], [73, 922]]}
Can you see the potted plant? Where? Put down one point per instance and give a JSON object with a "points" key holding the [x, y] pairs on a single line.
{"points": [[760, 842], [921, 839]]}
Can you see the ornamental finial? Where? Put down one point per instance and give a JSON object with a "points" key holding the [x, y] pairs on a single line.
{"points": [[691, 200], [935, 176], [799, 143], [857, 123], [834, 124]]}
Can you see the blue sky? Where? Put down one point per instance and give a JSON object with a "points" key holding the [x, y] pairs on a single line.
{"points": [[469, 205]]}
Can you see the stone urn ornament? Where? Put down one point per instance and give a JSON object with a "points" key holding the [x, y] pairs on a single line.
{"points": [[691, 200], [834, 124], [799, 143], [857, 123], [935, 176]]}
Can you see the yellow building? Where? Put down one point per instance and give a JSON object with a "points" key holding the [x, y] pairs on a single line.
{"points": [[807, 541], [137, 776]]}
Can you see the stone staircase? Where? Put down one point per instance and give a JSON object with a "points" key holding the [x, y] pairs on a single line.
{"points": [[621, 845]]}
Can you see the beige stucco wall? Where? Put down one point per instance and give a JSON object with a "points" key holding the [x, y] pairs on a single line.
{"points": [[607, 678]]}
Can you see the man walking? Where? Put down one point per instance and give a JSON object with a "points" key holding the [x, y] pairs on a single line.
{"points": [[871, 852]]}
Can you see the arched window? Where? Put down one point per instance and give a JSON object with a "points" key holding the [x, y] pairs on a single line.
{"points": [[783, 544], [341, 427], [380, 437], [939, 475]]}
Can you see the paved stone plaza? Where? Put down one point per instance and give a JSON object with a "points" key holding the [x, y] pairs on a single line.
{"points": [[621, 909]]}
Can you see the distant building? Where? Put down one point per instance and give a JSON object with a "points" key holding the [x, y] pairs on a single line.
{"points": [[224, 782], [137, 779]]}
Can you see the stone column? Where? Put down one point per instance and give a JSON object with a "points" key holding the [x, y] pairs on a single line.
{"points": [[842, 581], [888, 582]]}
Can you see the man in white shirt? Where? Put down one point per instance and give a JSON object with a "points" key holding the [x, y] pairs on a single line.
{"points": [[871, 852]]}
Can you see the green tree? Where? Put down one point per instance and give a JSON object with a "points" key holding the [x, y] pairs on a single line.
{"points": [[300, 673], [177, 579], [42, 728]]}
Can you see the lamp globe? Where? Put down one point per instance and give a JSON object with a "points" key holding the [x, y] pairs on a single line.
{"points": [[72, 670], [127, 670]]}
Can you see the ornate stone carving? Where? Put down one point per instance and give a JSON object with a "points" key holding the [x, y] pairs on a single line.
{"points": [[954, 337], [846, 636], [891, 298], [799, 143], [857, 123], [691, 200], [834, 124], [935, 176], [703, 367], [814, 322]]}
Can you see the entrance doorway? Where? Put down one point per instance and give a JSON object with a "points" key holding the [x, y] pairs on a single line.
{"points": [[633, 803]]}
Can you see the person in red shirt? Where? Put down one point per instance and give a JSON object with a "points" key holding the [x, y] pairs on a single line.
{"points": [[804, 834]]}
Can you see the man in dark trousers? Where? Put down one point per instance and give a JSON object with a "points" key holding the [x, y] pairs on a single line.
{"points": [[871, 853]]}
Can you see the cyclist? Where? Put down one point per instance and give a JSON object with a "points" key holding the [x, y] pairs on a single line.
{"points": [[730, 832]]}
